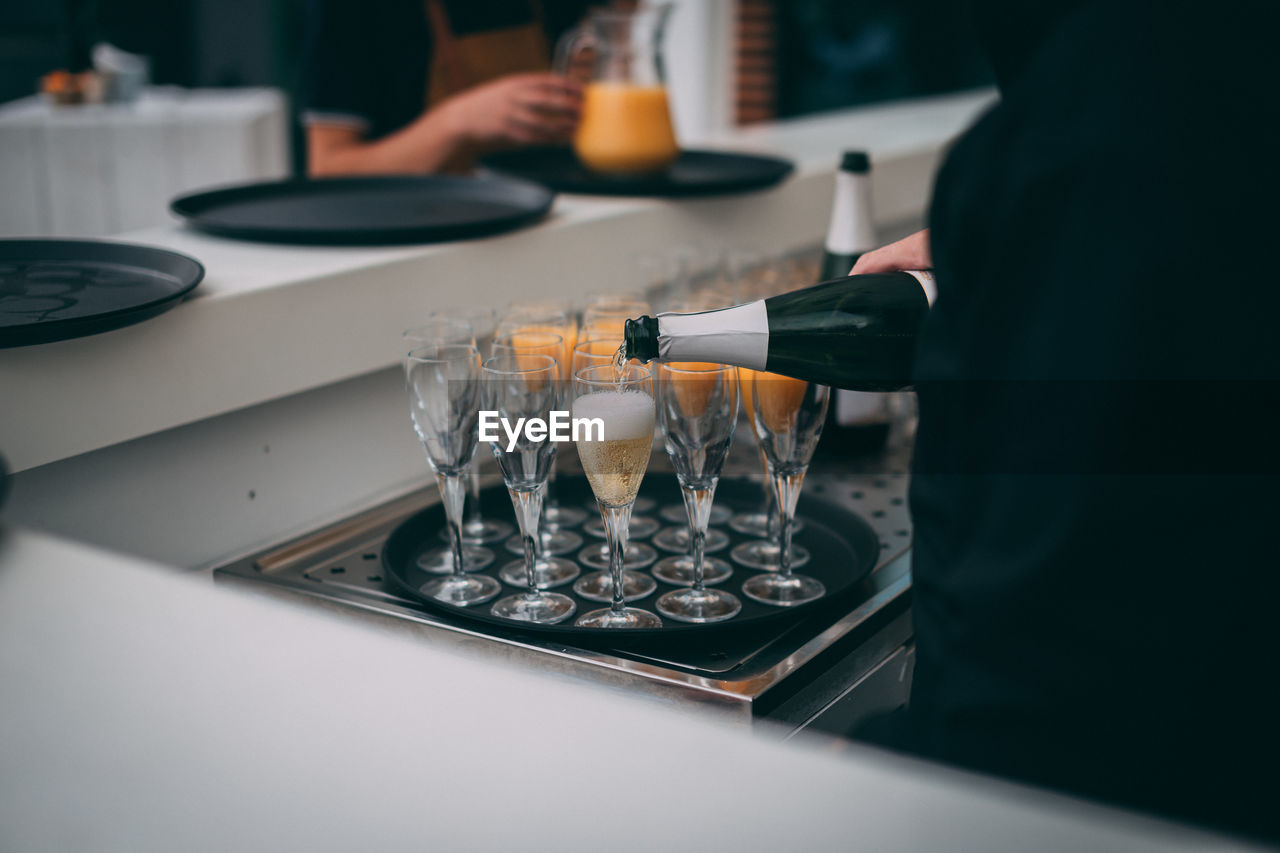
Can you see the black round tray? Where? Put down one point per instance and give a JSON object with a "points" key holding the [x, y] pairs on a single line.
{"points": [[843, 550], [51, 290], [694, 173], [367, 211]]}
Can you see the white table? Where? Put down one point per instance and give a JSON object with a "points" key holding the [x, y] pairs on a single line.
{"points": [[96, 170]]}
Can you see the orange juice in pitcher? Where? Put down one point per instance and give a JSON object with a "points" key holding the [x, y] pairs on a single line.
{"points": [[625, 128], [626, 121]]}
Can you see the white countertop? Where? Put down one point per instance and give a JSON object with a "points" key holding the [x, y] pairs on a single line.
{"points": [[145, 711], [270, 321]]}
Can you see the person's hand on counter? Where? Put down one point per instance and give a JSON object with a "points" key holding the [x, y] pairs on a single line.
{"points": [[909, 253]]}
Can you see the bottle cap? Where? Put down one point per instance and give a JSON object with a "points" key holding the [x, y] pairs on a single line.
{"points": [[855, 161]]}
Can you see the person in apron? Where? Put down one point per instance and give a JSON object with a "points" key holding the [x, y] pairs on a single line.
{"points": [[484, 90]]}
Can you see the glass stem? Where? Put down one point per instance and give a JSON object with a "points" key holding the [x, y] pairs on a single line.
{"points": [[551, 485], [697, 502], [770, 504], [473, 516], [788, 488], [528, 509], [453, 493], [617, 523], [539, 546]]}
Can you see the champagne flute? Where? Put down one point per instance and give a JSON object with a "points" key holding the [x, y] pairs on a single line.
{"points": [[697, 409], [481, 320], [762, 554], [531, 316], [439, 330], [444, 387], [614, 456], [789, 414], [551, 570], [677, 539], [606, 321], [519, 386], [599, 353]]}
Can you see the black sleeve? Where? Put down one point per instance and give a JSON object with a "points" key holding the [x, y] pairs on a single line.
{"points": [[339, 82]]}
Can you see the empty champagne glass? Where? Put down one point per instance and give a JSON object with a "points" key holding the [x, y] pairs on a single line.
{"points": [[552, 571], [480, 320], [443, 381], [789, 414], [676, 539], [762, 554], [697, 407], [525, 387], [435, 331], [614, 445], [534, 316]]}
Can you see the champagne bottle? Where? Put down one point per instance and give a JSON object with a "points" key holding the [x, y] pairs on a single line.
{"points": [[857, 332], [852, 229], [858, 421]]}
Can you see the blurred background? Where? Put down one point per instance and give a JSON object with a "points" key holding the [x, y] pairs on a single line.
{"points": [[735, 62]]}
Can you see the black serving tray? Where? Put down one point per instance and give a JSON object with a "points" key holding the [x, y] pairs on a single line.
{"points": [[843, 550], [51, 290], [390, 210], [694, 173]]}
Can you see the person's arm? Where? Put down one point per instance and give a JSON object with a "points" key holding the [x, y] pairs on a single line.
{"points": [[909, 253], [519, 109]]}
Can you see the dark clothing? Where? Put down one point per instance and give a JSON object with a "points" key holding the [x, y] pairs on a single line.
{"points": [[1095, 485], [366, 61]]}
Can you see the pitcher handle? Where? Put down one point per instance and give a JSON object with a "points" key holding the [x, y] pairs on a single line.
{"points": [[577, 39]]}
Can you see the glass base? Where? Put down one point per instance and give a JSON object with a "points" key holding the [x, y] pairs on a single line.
{"points": [[543, 608], [557, 543], [676, 540], [627, 617], [462, 590], [783, 591], [678, 571], [548, 573], [751, 524], [556, 516], [677, 514], [698, 605], [482, 531], [598, 586], [641, 527], [762, 555], [637, 556], [757, 524], [439, 561], [640, 507]]}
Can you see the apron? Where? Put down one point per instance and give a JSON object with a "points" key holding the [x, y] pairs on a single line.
{"points": [[460, 63]]}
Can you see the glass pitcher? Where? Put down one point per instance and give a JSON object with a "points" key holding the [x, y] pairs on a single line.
{"points": [[626, 123]]}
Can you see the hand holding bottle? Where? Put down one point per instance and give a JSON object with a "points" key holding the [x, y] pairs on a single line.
{"points": [[909, 253]]}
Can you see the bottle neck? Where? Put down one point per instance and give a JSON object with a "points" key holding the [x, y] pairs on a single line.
{"points": [[852, 230], [737, 336]]}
